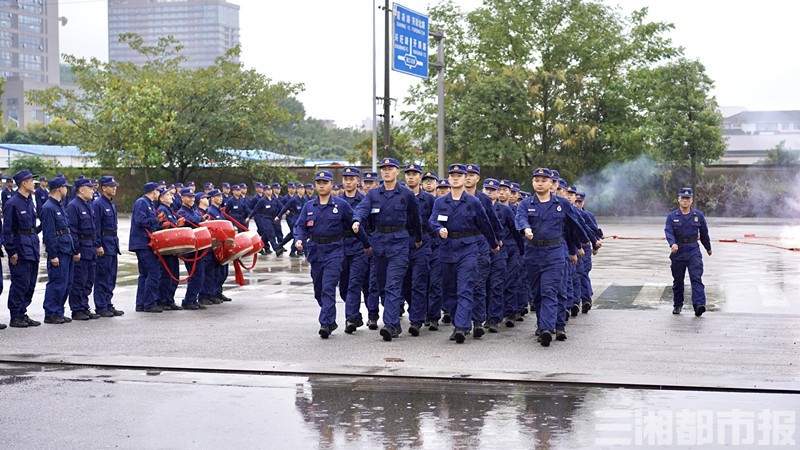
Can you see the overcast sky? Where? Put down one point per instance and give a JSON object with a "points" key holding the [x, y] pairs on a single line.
{"points": [[748, 48]]}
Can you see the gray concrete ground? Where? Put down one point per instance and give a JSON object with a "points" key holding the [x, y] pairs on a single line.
{"points": [[747, 340], [196, 379]]}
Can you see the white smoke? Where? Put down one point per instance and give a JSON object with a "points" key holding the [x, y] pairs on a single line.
{"points": [[624, 188]]}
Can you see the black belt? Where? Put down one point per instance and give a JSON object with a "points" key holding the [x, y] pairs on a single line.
{"points": [[545, 242], [87, 237], [62, 232], [389, 229], [325, 240], [25, 231], [686, 241], [348, 234], [110, 233], [462, 235]]}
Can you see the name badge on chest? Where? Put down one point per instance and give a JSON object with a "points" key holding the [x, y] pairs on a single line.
{"points": [[441, 218], [375, 211]]}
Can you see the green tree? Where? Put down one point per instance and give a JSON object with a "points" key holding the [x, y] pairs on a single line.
{"points": [[685, 122], [159, 115], [540, 82], [403, 148], [37, 165], [777, 155]]}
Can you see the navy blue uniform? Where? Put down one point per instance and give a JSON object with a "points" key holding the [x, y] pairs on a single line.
{"points": [[500, 264], [355, 266], [216, 273], [467, 225], [83, 230], [5, 195], [419, 260], [395, 215], [264, 213], [166, 292], [324, 227], [292, 208], [144, 219], [40, 196], [484, 260], [683, 230], [545, 255], [106, 222], [239, 209], [58, 243], [20, 238], [195, 283]]}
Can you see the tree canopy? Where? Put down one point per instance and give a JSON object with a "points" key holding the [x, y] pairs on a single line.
{"points": [[570, 84], [158, 114]]}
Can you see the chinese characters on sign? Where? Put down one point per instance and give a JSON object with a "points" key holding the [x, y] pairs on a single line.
{"points": [[410, 45]]}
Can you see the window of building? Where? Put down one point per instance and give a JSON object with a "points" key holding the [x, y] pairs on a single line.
{"points": [[12, 101]]}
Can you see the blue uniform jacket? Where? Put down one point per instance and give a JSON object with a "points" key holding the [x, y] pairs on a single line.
{"points": [[40, 196], [169, 215], [353, 244], [465, 215], [238, 208], [19, 228], [106, 221], [294, 204], [425, 205], [591, 224], [214, 213], [267, 207], [56, 230], [83, 228], [506, 217], [143, 219], [548, 220], [192, 215], [395, 208], [6, 194], [486, 202], [331, 220], [683, 229]]}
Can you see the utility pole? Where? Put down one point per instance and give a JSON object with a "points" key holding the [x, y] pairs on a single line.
{"points": [[374, 90], [439, 37], [387, 118]]}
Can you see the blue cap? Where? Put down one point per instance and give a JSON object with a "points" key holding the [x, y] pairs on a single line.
{"points": [[323, 175], [214, 193], [351, 171], [235, 187], [413, 168], [108, 180], [430, 175], [491, 183], [338, 186], [562, 184], [22, 175], [43, 179], [208, 185], [386, 162], [81, 182], [276, 185], [170, 186], [370, 176], [543, 172], [198, 196], [443, 183], [161, 191], [242, 186], [309, 186], [178, 185], [473, 168], [572, 190], [514, 187], [189, 183], [225, 184], [290, 184], [581, 196], [150, 187], [504, 183], [457, 168], [58, 182], [186, 192], [684, 192], [259, 184]]}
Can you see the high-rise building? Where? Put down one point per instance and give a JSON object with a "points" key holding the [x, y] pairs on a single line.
{"points": [[205, 28], [29, 55]]}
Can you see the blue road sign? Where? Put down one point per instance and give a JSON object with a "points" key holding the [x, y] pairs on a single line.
{"points": [[410, 42]]}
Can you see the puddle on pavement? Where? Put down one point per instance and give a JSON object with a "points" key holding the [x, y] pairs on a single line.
{"points": [[362, 412]]}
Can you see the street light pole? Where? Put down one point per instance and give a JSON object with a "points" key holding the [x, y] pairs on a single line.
{"points": [[439, 37], [387, 136], [374, 90]]}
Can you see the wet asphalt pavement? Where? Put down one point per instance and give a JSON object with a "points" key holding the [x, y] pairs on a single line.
{"points": [[197, 379]]}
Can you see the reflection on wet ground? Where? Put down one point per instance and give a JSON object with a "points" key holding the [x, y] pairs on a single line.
{"points": [[339, 412]]}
